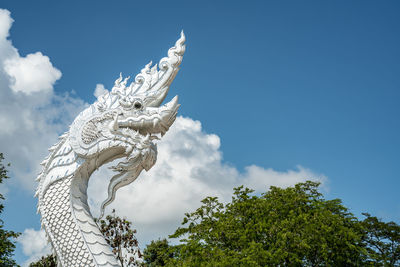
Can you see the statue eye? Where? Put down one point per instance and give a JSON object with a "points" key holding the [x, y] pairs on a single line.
{"points": [[137, 105]]}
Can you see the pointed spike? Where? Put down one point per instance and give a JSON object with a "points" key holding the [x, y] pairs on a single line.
{"points": [[63, 135], [183, 34], [118, 81], [173, 102], [180, 42], [125, 81], [52, 148], [147, 67]]}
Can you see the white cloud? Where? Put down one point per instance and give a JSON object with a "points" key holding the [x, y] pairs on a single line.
{"points": [[32, 73], [257, 177], [189, 168], [31, 115], [34, 245], [5, 23], [29, 74], [99, 90]]}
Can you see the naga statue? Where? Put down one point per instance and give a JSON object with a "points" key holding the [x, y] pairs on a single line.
{"points": [[121, 124]]}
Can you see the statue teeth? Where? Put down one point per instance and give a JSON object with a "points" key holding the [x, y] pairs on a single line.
{"points": [[155, 121], [114, 125], [136, 133], [129, 150]]}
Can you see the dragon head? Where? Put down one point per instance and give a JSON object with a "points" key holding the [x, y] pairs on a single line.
{"points": [[125, 121]]}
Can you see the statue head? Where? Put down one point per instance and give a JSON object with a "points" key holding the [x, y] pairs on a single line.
{"points": [[125, 121]]}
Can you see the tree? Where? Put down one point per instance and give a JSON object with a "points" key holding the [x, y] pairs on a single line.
{"points": [[295, 226], [158, 253], [7, 244], [382, 241], [121, 238], [45, 261]]}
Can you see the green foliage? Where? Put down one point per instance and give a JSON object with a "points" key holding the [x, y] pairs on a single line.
{"points": [[383, 241], [295, 226], [7, 244], [158, 253], [45, 261], [121, 238]]}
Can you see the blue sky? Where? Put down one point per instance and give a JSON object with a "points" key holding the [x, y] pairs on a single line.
{"points": [[281, 83]]}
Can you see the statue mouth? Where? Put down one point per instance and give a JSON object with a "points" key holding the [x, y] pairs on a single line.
{"points": [[152, 121]]}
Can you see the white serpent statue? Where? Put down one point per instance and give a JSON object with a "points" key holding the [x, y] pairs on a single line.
{"points": [[121, 123]]}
